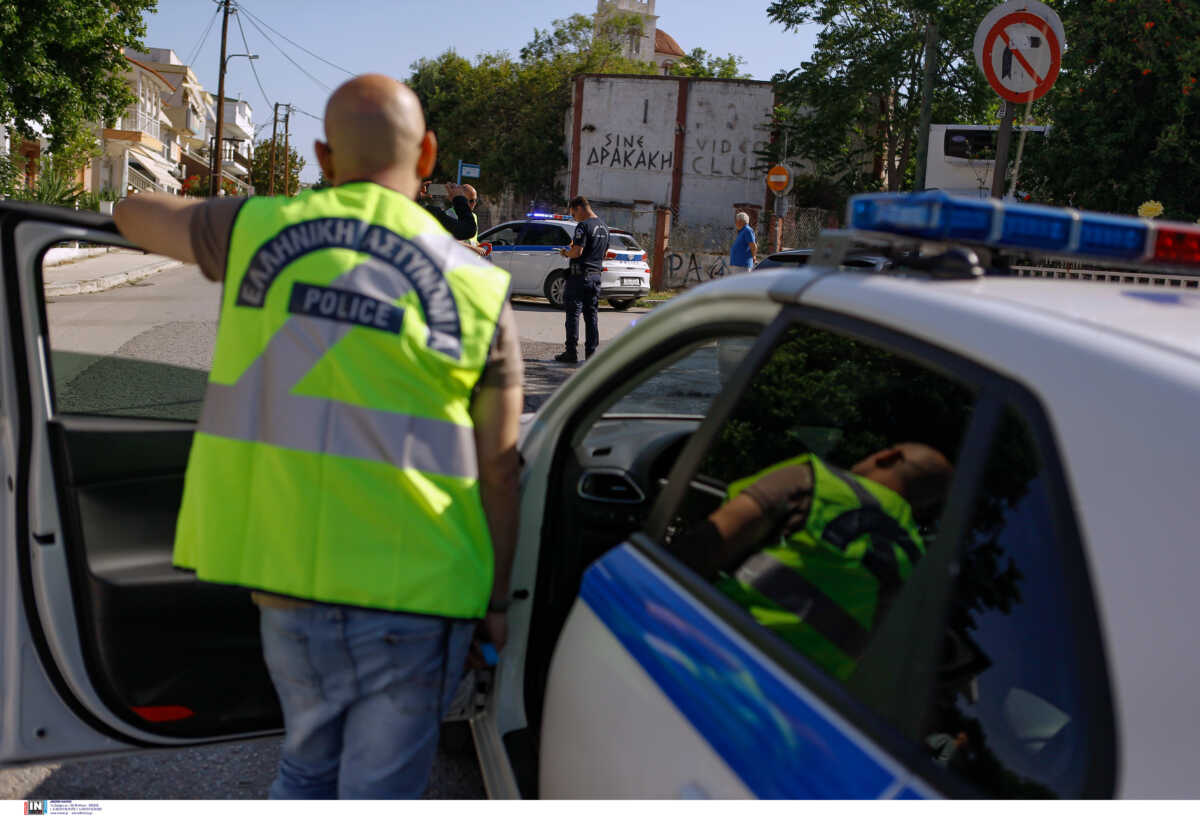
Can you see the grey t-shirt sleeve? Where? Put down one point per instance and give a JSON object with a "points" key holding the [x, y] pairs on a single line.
{"points": [[210, 230], [504, 367]]}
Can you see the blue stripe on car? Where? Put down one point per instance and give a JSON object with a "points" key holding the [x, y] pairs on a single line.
{"points": [[779, 739]]}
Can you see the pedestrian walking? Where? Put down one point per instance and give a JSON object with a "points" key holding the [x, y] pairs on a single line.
{"points": [[581, 294], [355, 463], [743, 253]]}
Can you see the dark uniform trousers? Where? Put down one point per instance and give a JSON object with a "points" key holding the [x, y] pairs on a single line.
{"points": [[582, 294]]}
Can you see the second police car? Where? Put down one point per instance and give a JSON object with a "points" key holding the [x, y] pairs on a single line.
{"points": [[527, 250]]}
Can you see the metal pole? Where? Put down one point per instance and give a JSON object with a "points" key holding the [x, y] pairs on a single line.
{"points": [[1002, 139], [274, 138], [214, 184], [1020, 149], [287, 154], [931, 40], [458, 180]]}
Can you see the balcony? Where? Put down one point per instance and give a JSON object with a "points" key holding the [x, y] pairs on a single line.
{"points": [[231, 155], [237, 119], [138, 128]]}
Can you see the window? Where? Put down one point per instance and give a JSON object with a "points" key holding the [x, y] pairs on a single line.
{"points": [[143, 349], [545, 235], [845, 453], [688, 385], [1011, 712], [502, 236], [621, 241]]}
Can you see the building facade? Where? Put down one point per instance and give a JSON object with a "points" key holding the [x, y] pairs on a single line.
{"points": [[637, 143], [645, 43]]}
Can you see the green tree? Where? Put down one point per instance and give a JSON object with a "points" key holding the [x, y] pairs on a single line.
{"points": [[1125, 109], [508, 114], [321, 182], [62, 67], [700, 63], [260, 168], [853, 109]]}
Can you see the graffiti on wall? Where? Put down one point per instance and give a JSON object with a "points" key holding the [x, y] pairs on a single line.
{"points": [[686, 269], [711, 155], [628, 151]]}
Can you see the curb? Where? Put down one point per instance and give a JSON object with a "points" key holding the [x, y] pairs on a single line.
{"points": [[88, 287]]}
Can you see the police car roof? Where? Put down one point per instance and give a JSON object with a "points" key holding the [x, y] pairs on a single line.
{"points": [[1166, 316]]}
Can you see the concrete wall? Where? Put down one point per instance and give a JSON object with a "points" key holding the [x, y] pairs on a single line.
{"points": [[627, 153]]}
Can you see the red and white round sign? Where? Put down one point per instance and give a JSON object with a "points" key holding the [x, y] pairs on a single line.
{"points": [[1019, 48]]}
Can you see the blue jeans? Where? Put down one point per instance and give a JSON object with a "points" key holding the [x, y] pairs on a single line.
{"points": [[582, 294], [363, 695]]}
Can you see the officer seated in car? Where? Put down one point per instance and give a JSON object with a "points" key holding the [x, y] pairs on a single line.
{"points": [[817, 554]]}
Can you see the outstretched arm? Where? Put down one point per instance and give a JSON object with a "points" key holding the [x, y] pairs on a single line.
{"points": [[158, 223]]}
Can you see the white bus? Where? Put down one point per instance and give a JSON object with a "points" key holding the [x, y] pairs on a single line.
{"points": [[962, 157]]}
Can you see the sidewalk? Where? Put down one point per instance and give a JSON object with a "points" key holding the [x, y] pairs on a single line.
{"points": [[115, 268]]}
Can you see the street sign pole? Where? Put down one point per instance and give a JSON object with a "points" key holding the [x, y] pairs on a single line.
{"points": [[1000, 167], [459, 179]]}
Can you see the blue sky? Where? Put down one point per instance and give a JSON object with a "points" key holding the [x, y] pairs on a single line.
{"points": [[365, 35]]}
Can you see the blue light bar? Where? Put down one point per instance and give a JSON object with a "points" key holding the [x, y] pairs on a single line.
{"points": [[540, 216], [931, 215], [938, 216]]}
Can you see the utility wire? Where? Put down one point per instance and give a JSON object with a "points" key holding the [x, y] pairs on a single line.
{"points": [[195, 52], [293, 42], [306, 113], [287, 56], [266, 98]]}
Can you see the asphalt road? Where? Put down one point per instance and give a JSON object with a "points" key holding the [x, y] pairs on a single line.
{"points": [[155, 338]]}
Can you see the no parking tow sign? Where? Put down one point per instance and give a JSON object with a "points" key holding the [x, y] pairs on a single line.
{"points": [[1019, 47]]}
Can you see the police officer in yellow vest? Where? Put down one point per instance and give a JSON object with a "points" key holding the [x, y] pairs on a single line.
{"points": [[817, 554], [355, 463]]}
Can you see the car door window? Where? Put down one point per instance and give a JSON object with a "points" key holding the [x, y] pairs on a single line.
{"points": [[502, 236], [544, 235], [822, 491], [1015, 711], [131, 350]]}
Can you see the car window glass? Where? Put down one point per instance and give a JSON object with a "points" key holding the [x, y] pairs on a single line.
{"points": [[503, 236], [822, 491], [618, 240], [688, 385], [1009, 712], [544, 235], [130, 334]]}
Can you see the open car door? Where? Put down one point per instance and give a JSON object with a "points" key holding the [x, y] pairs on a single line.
{"points": [[106, 646]]}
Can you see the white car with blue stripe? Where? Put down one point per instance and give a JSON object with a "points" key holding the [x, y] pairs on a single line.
{"points": [[528, 251], [1039, 648]]}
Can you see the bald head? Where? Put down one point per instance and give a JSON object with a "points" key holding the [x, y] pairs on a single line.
{"points": [[375, 131], [918, 472]]}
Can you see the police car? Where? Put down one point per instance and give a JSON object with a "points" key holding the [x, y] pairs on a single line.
{"points": [[1039, 648], [528, 250]]}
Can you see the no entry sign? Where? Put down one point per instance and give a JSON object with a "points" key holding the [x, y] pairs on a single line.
{"points": [[1019, 47], [779, 179]]}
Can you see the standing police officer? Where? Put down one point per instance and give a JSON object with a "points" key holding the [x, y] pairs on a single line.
{"points": [[582, 290], [355, 462]]}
